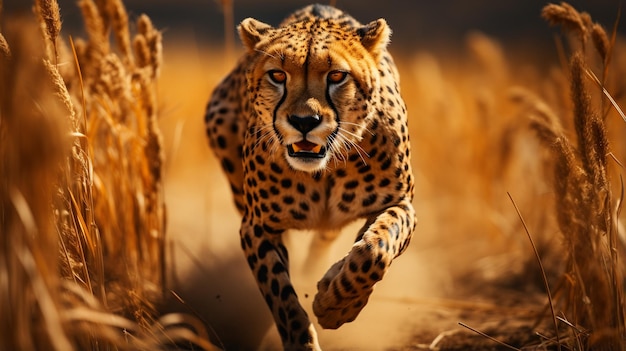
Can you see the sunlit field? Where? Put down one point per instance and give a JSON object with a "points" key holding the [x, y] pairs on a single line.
{"points": [[119, 231]]}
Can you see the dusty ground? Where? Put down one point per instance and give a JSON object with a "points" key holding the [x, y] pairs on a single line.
{"points": [[444, 278]]}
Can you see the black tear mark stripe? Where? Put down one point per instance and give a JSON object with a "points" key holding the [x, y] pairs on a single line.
{"points": [[335, 111], [280, 102]]}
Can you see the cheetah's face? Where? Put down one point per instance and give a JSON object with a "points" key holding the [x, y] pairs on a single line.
{"points": [[313, 90], [314, 117]]}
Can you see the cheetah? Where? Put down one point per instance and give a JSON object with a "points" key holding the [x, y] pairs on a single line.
{"points": [[311, 131]]}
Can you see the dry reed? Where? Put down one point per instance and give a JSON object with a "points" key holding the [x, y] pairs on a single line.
{"points": [[592, 300], [572, 121], [82, 208], [31, 145]]}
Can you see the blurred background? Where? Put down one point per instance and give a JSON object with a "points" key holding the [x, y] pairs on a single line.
{"points": [[416, 24]]}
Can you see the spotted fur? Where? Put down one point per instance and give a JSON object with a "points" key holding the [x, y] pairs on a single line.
{"points": [[311, 131]]}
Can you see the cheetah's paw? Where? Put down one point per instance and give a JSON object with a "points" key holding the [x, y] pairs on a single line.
{"points": [[338, 300]]}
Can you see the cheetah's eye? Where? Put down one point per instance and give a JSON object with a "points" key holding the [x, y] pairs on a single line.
{"points": [[278, 77], [336, 77]]}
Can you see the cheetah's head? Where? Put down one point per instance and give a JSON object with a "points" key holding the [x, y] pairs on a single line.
{"points": [[314, 85]]}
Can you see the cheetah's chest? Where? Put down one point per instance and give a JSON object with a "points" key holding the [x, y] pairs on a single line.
{"points": [[356, 187]]}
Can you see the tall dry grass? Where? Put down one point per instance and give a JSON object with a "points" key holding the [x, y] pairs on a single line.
{"points": [[585, 206], [83, 215], [490, 123]]}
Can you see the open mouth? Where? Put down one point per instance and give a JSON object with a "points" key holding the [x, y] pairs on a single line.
{"points": [[306, 149]]}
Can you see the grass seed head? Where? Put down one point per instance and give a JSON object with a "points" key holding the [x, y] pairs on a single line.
{"points": [[50, 15], [94, 25], [601, 42], [119, 21], [4, 47], [566, 16]]}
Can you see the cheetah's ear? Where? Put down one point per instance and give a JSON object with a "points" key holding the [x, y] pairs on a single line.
{"points": [[252, 31], [375, 36]]}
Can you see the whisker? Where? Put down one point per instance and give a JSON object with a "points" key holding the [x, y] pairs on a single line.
{"points": [[349, 132], [267, 130], [275, 147], [343, 147], [358, 125], [273, 140], [356, 145], [336, 150], [350, 143], [262, 139]]}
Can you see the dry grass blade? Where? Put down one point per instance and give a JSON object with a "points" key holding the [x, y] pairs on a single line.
{"points": [[489, 337], [543, 272], [51, 324], [441, 336], [82, 314], [615, 105]]}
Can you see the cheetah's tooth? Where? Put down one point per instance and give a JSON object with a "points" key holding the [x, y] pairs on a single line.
{"points": [[295, 148], [317, 149]]}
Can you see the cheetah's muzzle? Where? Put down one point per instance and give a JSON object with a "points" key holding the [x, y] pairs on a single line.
{"points": [[306, 149]]}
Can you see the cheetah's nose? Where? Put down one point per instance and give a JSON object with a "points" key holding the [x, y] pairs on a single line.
{"points": [[304, 124]]}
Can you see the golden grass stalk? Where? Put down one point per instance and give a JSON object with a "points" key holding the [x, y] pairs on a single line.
{"points": [[123, 151], [82, 207], [584, 203], [31, 144]]}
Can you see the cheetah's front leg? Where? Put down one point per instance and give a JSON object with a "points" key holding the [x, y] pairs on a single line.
{"points": [[268, 260], [346, 287]]}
